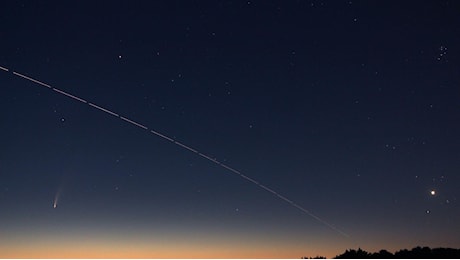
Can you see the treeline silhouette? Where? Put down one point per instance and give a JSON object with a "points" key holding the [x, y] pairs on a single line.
{"points": [[416, 252]]}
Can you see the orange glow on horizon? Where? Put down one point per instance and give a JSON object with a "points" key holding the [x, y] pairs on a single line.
{"points": [[130, 251], [91, 248]]}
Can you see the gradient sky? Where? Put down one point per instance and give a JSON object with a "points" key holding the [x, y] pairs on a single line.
{"points": [[348, 108]]}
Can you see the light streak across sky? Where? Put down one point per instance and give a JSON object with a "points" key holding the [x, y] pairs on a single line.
{"points": [[186, 147]]}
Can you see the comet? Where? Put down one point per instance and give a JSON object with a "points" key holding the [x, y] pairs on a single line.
{"points": [[56, 198]]}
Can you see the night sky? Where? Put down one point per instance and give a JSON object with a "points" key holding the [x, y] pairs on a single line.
{"points": [[349, 109]]}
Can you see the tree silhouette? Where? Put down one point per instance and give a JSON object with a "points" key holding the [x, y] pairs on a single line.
{"points": [[382, 254], [355, 254], [416, 252]]}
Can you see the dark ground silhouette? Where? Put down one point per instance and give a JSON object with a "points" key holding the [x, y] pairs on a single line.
{"points": [[416, 252]]}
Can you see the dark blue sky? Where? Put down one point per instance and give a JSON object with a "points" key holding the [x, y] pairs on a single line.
{"points": [[348, 108]]}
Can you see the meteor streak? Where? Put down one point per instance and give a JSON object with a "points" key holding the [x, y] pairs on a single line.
{"points": [[107, 111]]}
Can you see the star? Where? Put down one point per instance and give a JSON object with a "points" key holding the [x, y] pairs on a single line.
{"points": [[432, 192]]}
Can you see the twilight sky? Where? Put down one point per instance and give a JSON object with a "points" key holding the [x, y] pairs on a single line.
{"points": [[348, 108]]}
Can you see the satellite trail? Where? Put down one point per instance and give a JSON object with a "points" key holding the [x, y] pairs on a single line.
{"points": [[107, 111]]}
